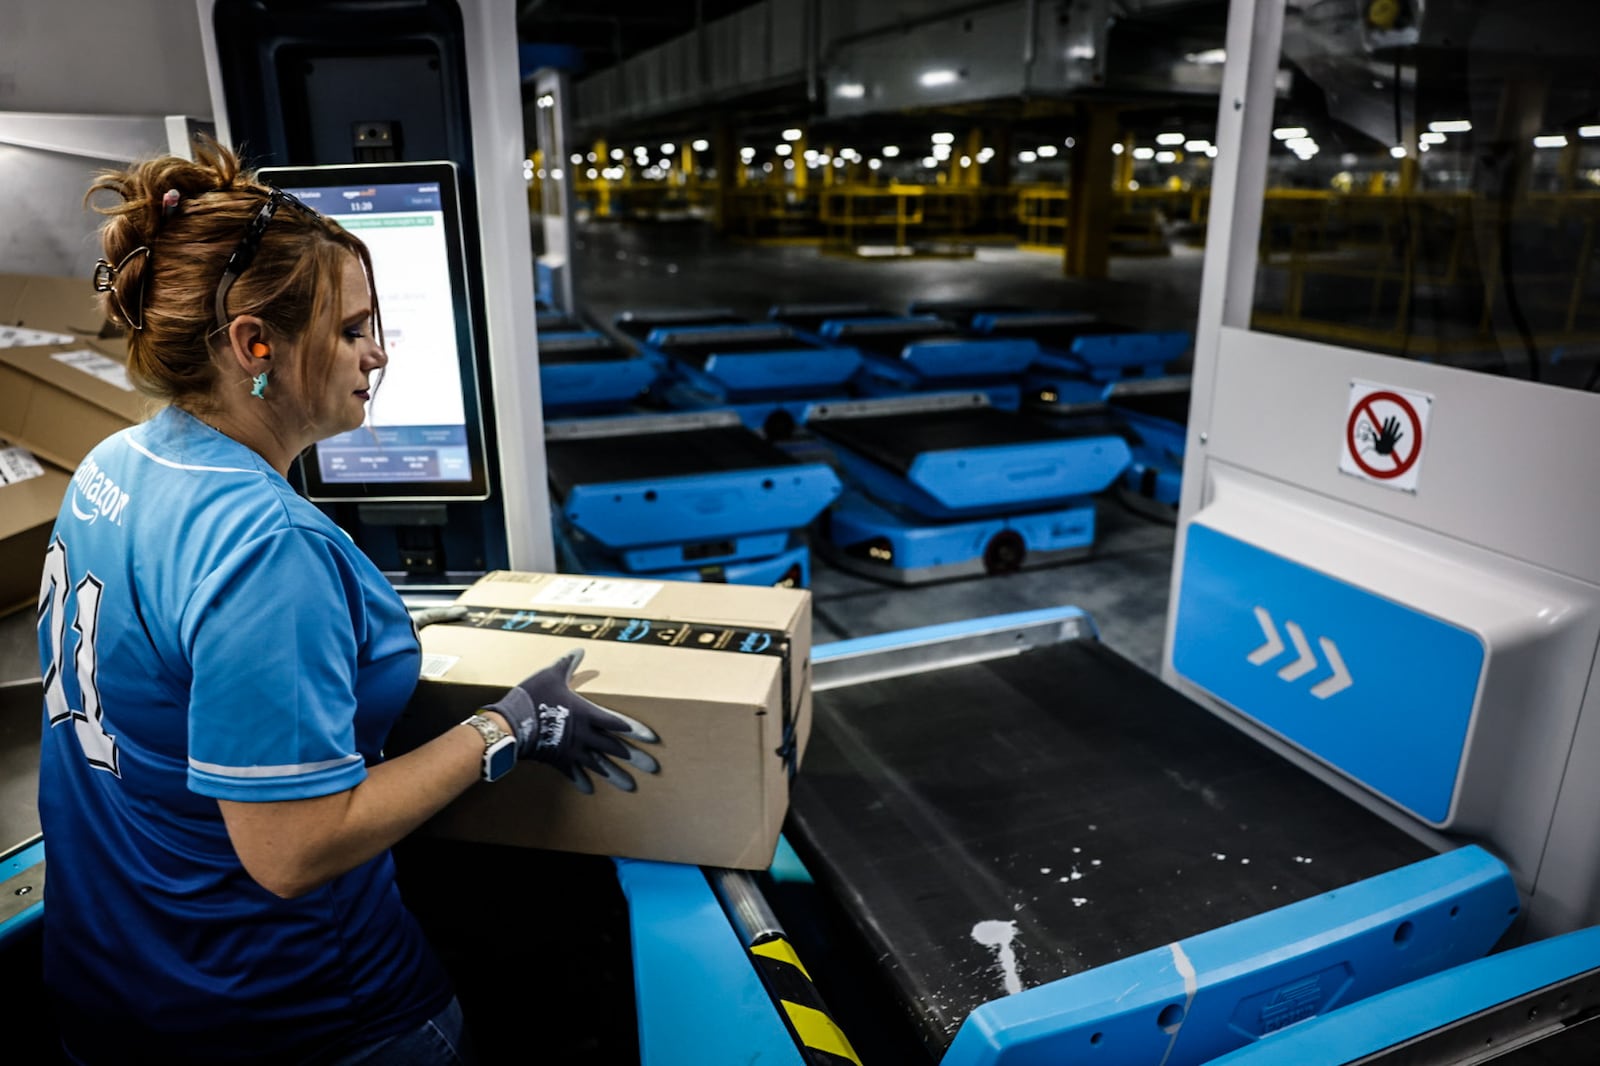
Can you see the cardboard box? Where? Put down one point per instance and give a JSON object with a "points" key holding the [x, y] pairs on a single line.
{"points": [[30, 495], [68, 306], [720, 672], [59, 401]]}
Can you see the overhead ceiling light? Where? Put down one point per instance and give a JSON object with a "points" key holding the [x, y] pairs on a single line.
{"points": [[1047, 151], [1196, 145], [1554, 140], [1116, 149], [783, 149], [792, 134], [1454, 125], [668, 149], [874, 164], [1432, 138], [929, 162], [1589, 131], [943, 138], [890, 151], [701, 145], [1398, 151], [1170, 138], [851, 90], [1284, 133], [932, 79], [1166, 157], [1027, 157], [1210, 57], [1144, 153]]}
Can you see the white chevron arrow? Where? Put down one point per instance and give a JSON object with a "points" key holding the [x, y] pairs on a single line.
{"points": [[1307, 661], [1274, 645], [1339, 680]]}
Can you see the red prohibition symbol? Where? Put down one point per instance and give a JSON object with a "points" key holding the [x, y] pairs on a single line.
{"points": [[1402, 463]]}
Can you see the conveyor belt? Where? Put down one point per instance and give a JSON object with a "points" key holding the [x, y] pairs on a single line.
{"points": [[894, 441], [1070, 792], [601, 460]]}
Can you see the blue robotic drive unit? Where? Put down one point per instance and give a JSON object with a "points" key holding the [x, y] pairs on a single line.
{"points": [[680, 495], [584, 371], [1087, 363], [921, 353], [732, 359], [948, 486]]}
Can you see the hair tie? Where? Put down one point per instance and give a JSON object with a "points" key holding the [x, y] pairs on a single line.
{"points": [[169, 203], [105, 280]]}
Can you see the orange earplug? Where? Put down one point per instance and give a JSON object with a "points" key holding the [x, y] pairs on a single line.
{"points": [[259, 350]]}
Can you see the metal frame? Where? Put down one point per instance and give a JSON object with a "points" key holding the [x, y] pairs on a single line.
{"points": [[494, 96]]}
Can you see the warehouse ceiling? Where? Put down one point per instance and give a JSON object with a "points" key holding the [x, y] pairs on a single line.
{"points": [[606, 32]]}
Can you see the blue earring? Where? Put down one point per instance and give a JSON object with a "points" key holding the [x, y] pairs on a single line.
{"points": [[259, 388]]}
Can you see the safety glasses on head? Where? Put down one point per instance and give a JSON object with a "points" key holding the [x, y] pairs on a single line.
{"points": [[249, 244]]}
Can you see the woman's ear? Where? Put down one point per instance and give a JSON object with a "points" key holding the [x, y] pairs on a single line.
{"points": [[247, 344]]}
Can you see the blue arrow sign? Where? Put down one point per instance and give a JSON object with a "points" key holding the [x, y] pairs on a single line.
{"points": [[1383, 692]]}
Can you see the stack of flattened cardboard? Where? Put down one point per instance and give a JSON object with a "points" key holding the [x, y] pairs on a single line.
{"points": [[720, 672], [63, 381]]}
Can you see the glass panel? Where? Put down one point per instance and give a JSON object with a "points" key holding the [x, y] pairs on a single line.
{"points": [[1433, 187]]}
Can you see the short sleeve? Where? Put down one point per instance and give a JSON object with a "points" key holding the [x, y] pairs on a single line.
{"points": [[271, 638]]}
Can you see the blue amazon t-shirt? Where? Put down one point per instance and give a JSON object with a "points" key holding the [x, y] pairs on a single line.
{"points": [[205, 633]]}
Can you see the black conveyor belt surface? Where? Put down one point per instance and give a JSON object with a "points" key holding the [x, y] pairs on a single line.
{"points": [[1060, 337], [1069, 791], [1171, 405], [643, 456], [698, 353], [894, 441]]}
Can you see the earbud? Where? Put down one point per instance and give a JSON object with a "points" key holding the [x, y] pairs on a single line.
{"points": [[259, 349]]}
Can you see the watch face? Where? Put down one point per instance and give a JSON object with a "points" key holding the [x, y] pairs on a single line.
{"points": [[499, 759]]}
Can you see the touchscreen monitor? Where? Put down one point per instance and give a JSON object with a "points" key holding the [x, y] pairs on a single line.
{"points": [[424, 435]]}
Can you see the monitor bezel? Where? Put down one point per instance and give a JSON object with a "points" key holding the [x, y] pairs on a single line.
{"points": [[294, 178]]}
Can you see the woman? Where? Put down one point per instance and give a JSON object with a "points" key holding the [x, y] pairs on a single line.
{"points": [[222, 665]]}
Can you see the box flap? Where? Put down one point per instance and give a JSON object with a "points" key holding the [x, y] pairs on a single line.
{"points": [[735, 605], [61, 304], [88, 373]]}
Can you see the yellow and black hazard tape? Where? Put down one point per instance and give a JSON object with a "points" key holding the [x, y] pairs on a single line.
{"points": [[821, 1041]]}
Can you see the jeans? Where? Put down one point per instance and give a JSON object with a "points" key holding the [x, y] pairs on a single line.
{"points": [[439, 1041]]}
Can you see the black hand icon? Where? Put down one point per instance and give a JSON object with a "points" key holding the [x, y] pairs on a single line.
{"points": [[1390, 436]]}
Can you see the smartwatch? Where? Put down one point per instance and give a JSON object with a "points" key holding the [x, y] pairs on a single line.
{"points": [[499, 747]]}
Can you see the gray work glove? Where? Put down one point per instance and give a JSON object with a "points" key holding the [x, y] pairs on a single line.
{"points": [[557, 726]]}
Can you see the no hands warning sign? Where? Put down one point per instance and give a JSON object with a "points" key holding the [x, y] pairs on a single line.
{"points": [[1384, 434]]}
